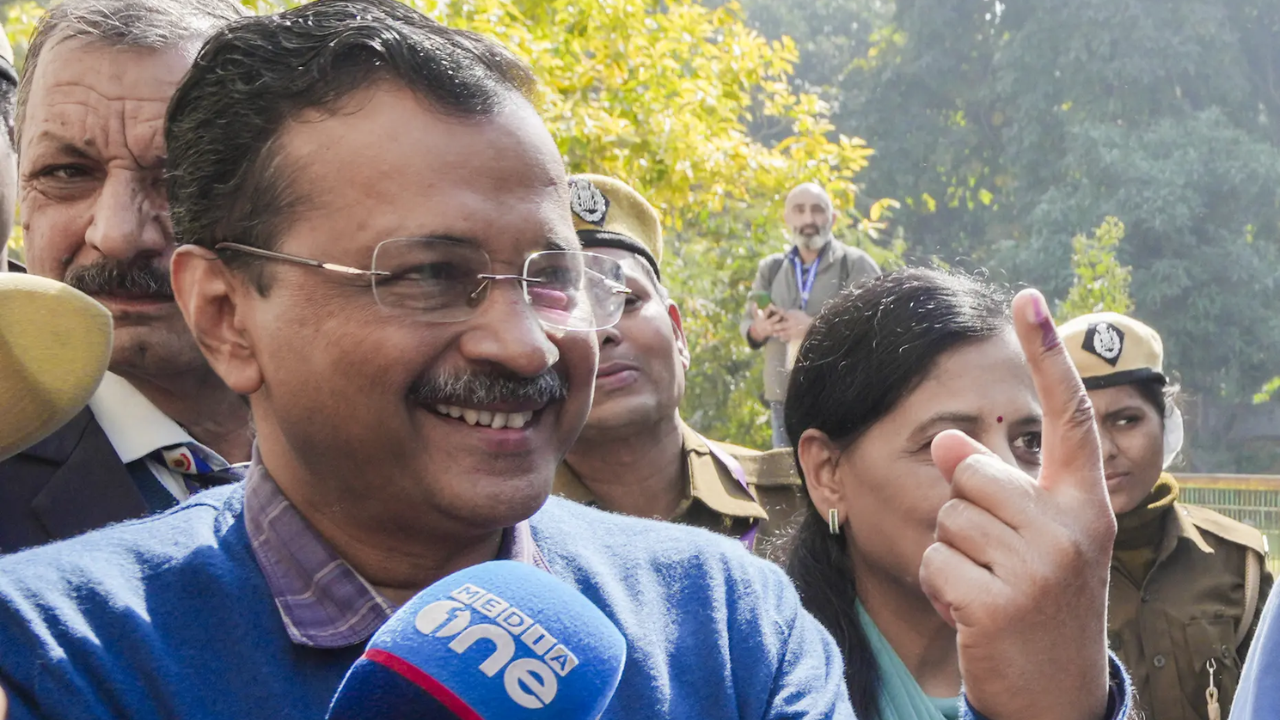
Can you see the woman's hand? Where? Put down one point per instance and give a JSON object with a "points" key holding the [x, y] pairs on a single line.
{"points": [[1020, 566]]}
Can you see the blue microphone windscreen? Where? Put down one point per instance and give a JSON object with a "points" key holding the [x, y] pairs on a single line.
{"points": [[496, 641]]}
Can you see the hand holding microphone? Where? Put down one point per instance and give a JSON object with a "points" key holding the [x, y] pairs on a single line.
{"points": [[497, 641]]}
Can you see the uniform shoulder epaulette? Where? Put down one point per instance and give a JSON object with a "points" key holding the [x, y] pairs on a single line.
{"points": [[1225, 528], [768, 468]]}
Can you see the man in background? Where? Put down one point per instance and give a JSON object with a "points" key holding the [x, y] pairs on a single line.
{"points": [[791, 287], [635, 454], [90, 129]]}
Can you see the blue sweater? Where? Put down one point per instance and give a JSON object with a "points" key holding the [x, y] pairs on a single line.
{"points": [[170, 617], [1258, 695]]}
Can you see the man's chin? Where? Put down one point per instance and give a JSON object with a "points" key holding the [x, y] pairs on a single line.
{"points": [[627, 415], [498, 502]]}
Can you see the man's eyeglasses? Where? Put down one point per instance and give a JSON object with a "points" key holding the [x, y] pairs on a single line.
{"points": [[446, 281]]}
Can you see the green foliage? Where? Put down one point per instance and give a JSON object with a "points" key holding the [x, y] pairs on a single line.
{"points": [[1267, 392], [1101, 282], [1006, 129], [664, 94]]}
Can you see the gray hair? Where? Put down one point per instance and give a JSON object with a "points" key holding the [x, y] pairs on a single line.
{"points": [[157, 24]]}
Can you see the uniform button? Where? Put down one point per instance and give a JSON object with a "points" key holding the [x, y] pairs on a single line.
{"points": [[1146, 597], [1158, 661], [1226, 652]]}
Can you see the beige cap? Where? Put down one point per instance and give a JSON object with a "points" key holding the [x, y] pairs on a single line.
{"points": [[610, 213], [55, 343], [1113, 349]]}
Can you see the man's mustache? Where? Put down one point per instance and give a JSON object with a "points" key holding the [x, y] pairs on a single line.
{"points": [[476, 389], [810, 229], [132, 278]]}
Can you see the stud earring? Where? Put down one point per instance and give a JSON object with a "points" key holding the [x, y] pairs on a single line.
{"points": [[833, 521]]}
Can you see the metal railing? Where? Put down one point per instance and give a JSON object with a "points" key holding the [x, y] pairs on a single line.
{"points": [[1251, 499]]}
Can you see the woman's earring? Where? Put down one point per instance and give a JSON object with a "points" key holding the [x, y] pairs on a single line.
{"points": [[833, 521]]}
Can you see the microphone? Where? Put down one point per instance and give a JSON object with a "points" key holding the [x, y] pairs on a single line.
{"points": [[55, 343], [497, 641]]}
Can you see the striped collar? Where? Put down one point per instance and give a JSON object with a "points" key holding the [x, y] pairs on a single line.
{"points": [[322, 600]]}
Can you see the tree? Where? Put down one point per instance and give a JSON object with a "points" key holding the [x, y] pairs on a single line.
{"points": [[660, 93], [1102, 283], [1007, 129]]}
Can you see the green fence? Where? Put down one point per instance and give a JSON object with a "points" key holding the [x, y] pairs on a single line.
{"points": [[1252, 499]]}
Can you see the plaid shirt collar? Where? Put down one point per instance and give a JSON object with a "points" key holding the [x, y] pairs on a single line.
{"points": [[323, 601]]}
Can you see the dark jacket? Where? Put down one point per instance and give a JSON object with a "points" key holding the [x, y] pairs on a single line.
{"points": [[70, 482]]}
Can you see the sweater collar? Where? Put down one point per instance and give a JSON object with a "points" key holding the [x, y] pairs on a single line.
{"points": [[323, 602]]}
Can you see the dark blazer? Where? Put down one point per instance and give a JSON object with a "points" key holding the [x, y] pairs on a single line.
{"points": [[69, 483]]}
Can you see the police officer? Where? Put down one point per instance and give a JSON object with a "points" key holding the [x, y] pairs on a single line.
{"points": [[636, 455], [1186, 582]]}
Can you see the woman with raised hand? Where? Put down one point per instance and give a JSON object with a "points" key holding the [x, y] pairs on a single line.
{"points": [[1187, 584], [958, 532]]}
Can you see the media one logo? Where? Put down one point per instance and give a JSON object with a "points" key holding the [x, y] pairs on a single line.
{"points": [[531, 682]]}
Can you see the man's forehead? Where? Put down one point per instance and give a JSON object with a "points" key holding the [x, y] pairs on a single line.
{"points": [[805, 194], [102, 99], [111, 72], [384, 164], [632, 264]]}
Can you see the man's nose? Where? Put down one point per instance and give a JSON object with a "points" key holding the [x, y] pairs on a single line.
{"points": [[609, 336], [129, 217], [506, 331]]}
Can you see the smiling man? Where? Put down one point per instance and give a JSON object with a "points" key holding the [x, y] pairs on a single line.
{"points": [[636, 455], [97, 80], [380, 256]]}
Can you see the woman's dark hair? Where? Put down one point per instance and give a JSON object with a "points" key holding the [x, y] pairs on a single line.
{"points": [[864, 353], [1159, 394]]}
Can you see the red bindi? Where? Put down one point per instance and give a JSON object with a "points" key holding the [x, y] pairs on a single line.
{"points": [[999, 418]]}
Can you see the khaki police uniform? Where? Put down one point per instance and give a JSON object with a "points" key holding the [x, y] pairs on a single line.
{"points": [[715, 499], [1183, 629], [1189, 613], [609, 213]]}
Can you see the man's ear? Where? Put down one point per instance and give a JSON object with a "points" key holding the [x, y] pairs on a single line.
{"points": [[216, 304], [677, 326], [819, 461]]}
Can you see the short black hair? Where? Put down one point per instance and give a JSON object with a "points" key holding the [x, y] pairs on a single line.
{"points": [[254, 75]]}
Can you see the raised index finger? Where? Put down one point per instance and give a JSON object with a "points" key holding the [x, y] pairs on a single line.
{"points": [[1071, 456]]}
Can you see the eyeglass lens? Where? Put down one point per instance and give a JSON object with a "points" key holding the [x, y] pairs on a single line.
{"points": [[440, 279]]}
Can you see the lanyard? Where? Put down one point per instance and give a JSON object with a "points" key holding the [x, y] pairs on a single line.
{"points": [[806, 284]]}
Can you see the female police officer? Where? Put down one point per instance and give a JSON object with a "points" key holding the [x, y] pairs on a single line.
{"points": [[1186, 582]]}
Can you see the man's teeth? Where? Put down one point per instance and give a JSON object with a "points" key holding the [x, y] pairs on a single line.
{"points": [[488, 418]]}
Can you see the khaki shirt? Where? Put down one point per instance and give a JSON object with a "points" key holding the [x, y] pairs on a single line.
{"points": [[715, 500], [1187, 612], [841, 267]]}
